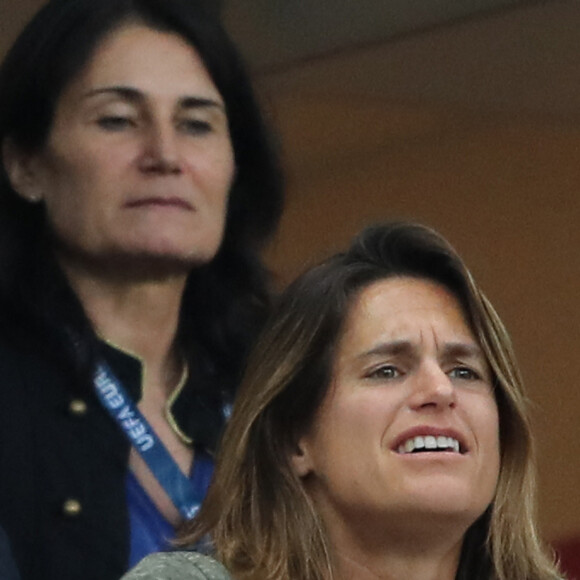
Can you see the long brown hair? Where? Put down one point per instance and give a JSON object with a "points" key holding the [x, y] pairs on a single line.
{"points": [[261, 522]]}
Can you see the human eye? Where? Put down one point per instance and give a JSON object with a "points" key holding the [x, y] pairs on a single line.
{"points": [[464, 373], [115, 122], [386, 371], [194, 126]]}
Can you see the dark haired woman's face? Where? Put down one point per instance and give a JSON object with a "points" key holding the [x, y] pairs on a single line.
{"points": [[139, 159]]}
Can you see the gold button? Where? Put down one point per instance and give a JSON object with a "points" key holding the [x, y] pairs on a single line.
{"points": [[72, 508], [77, 407]]}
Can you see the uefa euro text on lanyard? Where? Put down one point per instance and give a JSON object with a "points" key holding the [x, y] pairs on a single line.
{"points": [[121, 407]]}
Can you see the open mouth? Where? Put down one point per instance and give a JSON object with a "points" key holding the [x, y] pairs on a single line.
{"points": [[430, 443]]}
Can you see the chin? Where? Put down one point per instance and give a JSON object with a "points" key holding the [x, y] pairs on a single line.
{"points": [[448, 512], [165, 249], [195, 252], [449, 498]]}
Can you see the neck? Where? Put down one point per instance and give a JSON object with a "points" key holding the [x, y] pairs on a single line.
{"points": [[427, 551], [392, 564], [140, 316]]}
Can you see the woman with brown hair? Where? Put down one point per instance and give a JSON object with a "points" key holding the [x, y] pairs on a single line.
{"points": [[381, 432]]}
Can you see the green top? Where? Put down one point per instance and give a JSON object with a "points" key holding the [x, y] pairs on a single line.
{"points": [[178, 566]]}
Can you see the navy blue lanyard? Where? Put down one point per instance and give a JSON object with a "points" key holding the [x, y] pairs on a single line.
{"points": [[121, 407]]}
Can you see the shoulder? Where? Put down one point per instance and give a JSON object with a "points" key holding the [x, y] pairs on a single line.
{"points": [[178, 566]]}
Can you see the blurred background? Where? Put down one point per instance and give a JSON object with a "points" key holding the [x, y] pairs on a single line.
{"points": [[462, 114]]}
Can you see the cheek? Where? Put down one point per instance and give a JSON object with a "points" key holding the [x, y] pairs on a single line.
{"points": [[218, 168], [77, 196], [218, 176], [355, 428], [492, 423], [66, 172], [481, 413], [72, 192], [490, 440], [223, 179]]}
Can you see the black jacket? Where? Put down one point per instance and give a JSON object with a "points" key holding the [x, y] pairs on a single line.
{"points": [[63, 464], [8, 569]]}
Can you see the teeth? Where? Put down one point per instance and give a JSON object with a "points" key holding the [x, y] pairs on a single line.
{"points": [[429, 442]]}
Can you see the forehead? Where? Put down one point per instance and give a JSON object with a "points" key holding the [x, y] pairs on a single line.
{"points": [[152, 61], [405, 308]]}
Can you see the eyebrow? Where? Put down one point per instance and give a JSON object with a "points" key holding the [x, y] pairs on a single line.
{"points": [[398, 347], [394, 347], [463, 349], [135, 95]]}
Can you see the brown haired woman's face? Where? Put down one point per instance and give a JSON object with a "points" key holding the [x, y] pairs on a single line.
{"points": [[139, 159], [408, 432]]}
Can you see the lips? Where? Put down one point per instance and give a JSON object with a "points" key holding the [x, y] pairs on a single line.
{"points": [[159, 201], [426, 438]]}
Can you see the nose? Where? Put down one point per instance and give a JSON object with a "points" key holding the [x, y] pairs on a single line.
{"points": [[160, 150], [432, 389]]}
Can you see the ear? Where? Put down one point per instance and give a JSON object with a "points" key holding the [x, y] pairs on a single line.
{"points": [[301, 459], [21, 168]]}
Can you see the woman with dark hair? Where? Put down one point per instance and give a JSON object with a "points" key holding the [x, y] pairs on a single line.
{"points": [[380, 431], [137, 188]]}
